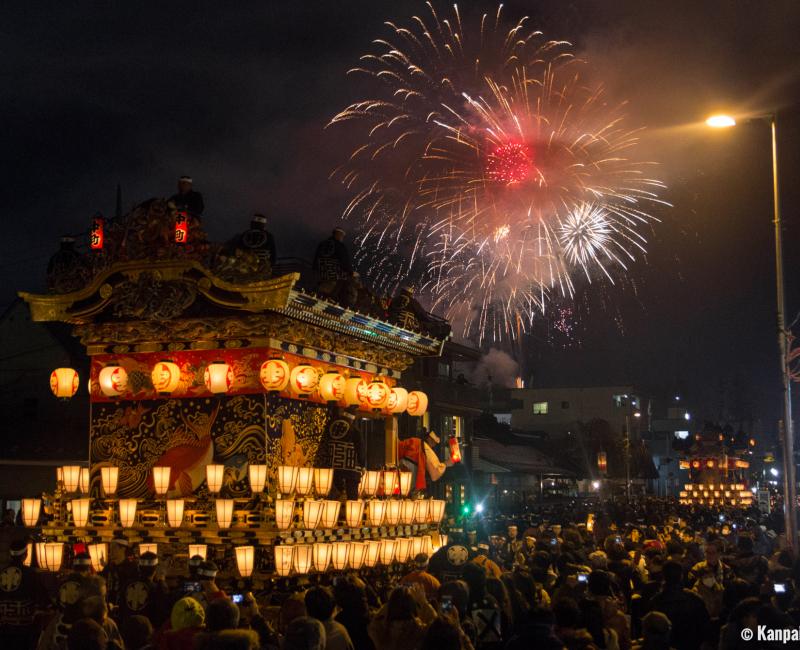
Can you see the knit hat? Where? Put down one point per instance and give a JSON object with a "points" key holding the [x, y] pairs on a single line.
{"points": [[187, 612]]}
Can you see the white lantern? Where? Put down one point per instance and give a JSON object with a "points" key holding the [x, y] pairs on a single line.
{"points": [[305, 480], [287, 477], [31, 508], [83, 480], [427, 545], [323, 479], [72, 477], [303, 380], [417, 403], [60, 477], [245, 556], [312, 513], [330, 514], [198, 549], [421, 514], [175, 509], [354, 512], [40, 558], [98, 555], [339, 553], [218, 377], [80, 512], [64, 382], [284, 513], [377, 394], [398, 400], [355, 391], [53, 555], [149, 547], [331, 386], [403, 549], [370, 481], [437, 510], [109, 477], [302, 558], [274, 375], [357, 553], [214, 476], [417, 546], [258, 477], [322, 556], [405, 483], [393, 511], [113, 381], [127, 512], [224, 512], [283, 560], [408, 510], [373, 554], [161, 479], [389, 482], [376, 510], [166, 376], [387, 551]]}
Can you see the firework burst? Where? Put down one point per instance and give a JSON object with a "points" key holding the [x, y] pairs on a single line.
{"points": [[491, 170]]}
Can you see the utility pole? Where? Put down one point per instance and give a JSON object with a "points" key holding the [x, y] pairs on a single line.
{"points": [[628, 458]]}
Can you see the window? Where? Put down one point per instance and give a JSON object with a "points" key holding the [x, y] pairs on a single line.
{"points": [[682, 435], [503, 418], [565, 405], [444, 369], [448, 493], [540, 408], [620, 400]]}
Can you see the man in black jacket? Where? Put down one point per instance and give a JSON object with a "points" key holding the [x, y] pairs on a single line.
{"points": [[187, 200], [684, 608]]}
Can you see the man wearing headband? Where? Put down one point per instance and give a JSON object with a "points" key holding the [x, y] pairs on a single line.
{"points": [[120, 569], [332, 262], [147, 595], [209, 591], [187, 199]]}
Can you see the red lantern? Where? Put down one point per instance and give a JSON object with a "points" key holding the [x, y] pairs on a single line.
{"points": [[64, 382], [303, 380], [181, 228], [96, 238], [455, 449], [602, 462], [274, 375]]}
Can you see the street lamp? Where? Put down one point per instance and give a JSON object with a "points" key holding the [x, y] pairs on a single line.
{"points": [[790, 500]]}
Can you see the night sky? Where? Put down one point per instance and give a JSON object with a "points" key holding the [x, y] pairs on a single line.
{"points": [[238, 94]]}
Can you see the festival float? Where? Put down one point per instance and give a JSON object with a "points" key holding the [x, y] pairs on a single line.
{"points": [[228, 410]]}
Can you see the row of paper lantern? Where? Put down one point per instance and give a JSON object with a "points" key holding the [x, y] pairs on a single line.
{"points": [[275, 376]]}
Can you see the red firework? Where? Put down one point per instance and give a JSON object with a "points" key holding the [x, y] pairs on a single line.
{"points": [[510, 163]]}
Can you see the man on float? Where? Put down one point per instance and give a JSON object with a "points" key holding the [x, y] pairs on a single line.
{"points": [[187, 200]]}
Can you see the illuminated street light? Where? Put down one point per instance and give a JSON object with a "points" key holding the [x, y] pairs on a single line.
{"points": [[721, 121]]}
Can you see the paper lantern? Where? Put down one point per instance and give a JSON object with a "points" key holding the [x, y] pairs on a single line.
{"points": [[403, 549], [166, 375], [224, 512], [455, 450], [60, 477], [214, 476], [257, 474], [331, 386], [323, 479], [322, 556], [161, 476], [245, 557], [175, 509], [390, 481], [427, 545], [376, 510], [80, 512], [274, 375], [398, 400], [370, 481], [417, 545], [373, 554], [305, 480], [127, 512], [330, 514], [218, 377], [417, 403], [181, 228], [303, 380], [83, 480], [339, 553], [393, 511], [312, 513], [283, 560], [405, 483], [302, 558], [72, 477], [387, 551], [31, 508], [40, 559], [377, 394], [109, 477], [53, 556], [357, 553], [437, 510], [64, 382], [149, 547], [354, 512], [602, 462], [287, 476], [408, 510], [113, 381], [422, 510], [198, 549], [96, 236], [284, 513], [98, 555], [355, 391]]}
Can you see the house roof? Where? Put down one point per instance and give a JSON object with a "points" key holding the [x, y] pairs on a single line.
{"points": [[517, 458]]}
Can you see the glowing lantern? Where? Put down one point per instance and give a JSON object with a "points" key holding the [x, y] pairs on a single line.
{"points": [[305, 478], [340, 551], [377, 394], [287, 476], [72, 477], [330, 514], [245, 556], [370, 482], [354, 512], [80, 512], [284, 513], [405, 483], [323, 479], [40, 554], [422, 511], [198, 549], [53, 555], [408, 510], [113, 381], [165, 376], [355, 391], [357, 551], [274, 375], [312, 513], [403, 549], [303, 380], [390, 481], [224, 512], [455, 450], [175, 509], [31, 508], [376, 510], [393, 511], [28, 554], [710, 463], [331, 386], [373, 554], [151, 547], [127, 512], [417, 544], [83, 480], [257, 474], [60, 477], [437, 510], [214, 476], [322, 556], [218, 377], [109, 477], [96, 237], [427, 545], [417, 403], [161, 476], [302, 558], [283, 560], [398, 400], [387, 551], [98, 555], [64, 382], [181, 228]]}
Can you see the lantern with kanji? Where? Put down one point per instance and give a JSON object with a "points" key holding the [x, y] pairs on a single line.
{"points": [[64, 382], [166, 375], [455, 449], [398, 400], [113, 381], [303, 379], [377, 394], [274, 375], [96, 237], [331, 386], [355, 391], [181, 228], [417, 403], [218, 377]]}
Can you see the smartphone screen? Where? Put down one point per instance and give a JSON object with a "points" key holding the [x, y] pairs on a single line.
{"points": [[238, 598], [583, 577], [447, 603], [780, 588]]}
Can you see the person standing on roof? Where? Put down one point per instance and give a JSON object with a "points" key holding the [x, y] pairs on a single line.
{"points": [[187, 200]]}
